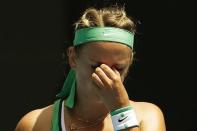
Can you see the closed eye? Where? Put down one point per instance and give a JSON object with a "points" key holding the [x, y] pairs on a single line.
{"points": [[120, 70], [95, 66]]}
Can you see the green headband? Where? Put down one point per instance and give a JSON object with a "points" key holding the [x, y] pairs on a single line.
{"points": [[86, 35], [112, 34]]}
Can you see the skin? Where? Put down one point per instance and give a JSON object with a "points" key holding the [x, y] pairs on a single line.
{"points": [[104, 65]]}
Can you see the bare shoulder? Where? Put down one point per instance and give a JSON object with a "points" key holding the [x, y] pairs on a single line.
{"points": [[36, 120], [150, 115]]}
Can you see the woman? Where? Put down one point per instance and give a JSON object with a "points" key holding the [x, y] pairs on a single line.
{"points": [[93, 97]]}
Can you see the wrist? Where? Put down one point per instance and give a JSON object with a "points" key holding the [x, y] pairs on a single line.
{"points": [[119, 105], [124, 118]]}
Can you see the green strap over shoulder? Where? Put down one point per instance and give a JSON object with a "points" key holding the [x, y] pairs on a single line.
{"points": [[55, 116], [69, 89]]}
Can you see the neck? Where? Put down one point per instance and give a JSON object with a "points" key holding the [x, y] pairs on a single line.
{"points": [[89, 106]]}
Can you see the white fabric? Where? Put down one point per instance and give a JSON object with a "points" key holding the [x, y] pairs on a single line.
{"points": [[62, 118], [124, 120]]}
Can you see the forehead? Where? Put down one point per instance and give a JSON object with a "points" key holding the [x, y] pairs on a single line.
{"points": [[106, 51]]}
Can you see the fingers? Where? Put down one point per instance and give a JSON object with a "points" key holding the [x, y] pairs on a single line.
{"points": [[116, 72], [97, 80], [103, 77], [111, 73], [108, 71]]}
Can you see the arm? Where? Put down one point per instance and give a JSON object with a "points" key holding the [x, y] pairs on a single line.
{"points": [[153, 118], [111, 89], [24, 124], [27, 122], [109, 82]]}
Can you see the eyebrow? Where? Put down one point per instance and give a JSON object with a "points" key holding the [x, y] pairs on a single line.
{"points": [[121, 65]]}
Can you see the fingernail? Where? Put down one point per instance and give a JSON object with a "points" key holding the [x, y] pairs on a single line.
{"points": [[93, 74], [102, 66], [97, 69]]}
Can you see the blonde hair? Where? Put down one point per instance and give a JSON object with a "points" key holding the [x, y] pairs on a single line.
{"points": [[109, 16]]}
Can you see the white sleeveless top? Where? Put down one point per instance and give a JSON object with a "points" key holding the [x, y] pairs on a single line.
{"points": [[62, 118]]}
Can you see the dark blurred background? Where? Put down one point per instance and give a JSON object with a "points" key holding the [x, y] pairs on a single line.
{"points": [[32, 42]]}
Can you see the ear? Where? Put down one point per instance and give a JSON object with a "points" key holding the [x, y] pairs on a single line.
{"points": [[71, 56]]}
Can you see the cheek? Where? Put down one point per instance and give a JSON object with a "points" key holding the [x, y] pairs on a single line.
{"points": [[84, 74], [124, 74]]}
